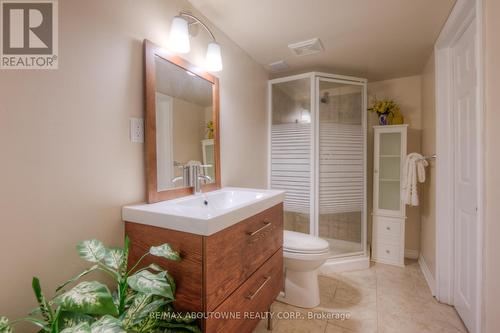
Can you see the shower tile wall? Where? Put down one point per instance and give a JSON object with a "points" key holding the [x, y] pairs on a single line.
{"points": [[339, 108], [341, 226], [296, 222]]}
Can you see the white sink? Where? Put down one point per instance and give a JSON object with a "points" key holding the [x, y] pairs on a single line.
{"points": [[204, 214]]}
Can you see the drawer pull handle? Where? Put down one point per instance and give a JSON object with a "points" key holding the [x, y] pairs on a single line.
{"points": [[387, 251], [388, 228], [255, 293], [267, 224]]}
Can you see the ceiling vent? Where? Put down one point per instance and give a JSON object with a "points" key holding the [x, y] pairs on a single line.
{"points": [[278, 66], [307, 47]]}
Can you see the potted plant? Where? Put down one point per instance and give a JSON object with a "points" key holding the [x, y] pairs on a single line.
{"points": [[90, 306], [388, 112]]}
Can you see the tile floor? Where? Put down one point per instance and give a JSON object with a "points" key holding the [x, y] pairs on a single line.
{"points": [[381, 299]]}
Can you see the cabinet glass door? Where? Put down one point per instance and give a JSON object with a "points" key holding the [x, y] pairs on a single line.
{"points": [[389, 172]]}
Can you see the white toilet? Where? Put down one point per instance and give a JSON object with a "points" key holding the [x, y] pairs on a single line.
{"points": [[303, 255]]}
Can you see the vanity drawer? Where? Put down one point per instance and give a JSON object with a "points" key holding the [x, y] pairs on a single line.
{"points": [[389, 229], [252, 297], [235, 253], [387, 252]]}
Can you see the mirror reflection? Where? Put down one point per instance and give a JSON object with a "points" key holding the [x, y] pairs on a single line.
{"points": [[184, 125]]}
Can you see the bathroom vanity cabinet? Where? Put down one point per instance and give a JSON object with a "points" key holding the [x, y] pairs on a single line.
{"points": [[236, 270]]}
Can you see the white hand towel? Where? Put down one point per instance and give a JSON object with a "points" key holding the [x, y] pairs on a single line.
{"points": [[413, 172]]}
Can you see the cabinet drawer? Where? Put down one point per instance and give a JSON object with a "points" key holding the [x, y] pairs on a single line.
{"points": [[389, 229], [252, 297], [235, 253], [387, 252]]}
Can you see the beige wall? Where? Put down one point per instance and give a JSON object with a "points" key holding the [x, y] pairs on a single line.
{"points": [[67, 162], [492, 137], [428, 207], [407, 93]]}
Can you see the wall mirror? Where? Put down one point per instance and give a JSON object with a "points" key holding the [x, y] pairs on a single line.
{"points": [[181, 123]]}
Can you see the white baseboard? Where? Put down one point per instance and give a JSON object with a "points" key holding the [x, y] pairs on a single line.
{"points": [[431, 282], [411, 254]]}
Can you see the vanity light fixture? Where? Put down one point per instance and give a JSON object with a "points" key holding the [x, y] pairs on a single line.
{"points": [[178, 40]]}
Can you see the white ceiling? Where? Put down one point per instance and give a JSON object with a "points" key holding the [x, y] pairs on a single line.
{"points": [[375, 39]]}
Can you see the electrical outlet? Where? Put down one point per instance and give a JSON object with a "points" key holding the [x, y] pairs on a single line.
{"points": [[137, 130]]}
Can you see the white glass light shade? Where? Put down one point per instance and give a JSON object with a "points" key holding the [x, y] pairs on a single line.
{"points": [[178, 39], [213, 61]]}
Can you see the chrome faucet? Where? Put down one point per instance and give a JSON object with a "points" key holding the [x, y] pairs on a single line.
{"points": [[192, 176], [195, 177]]}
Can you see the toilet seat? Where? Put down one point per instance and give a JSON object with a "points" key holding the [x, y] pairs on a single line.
{"points": [[300, 243], [306, 256]]}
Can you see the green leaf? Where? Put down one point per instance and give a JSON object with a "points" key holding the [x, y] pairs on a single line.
{"points": [[45, 308], [4, 325], [79, 276], [91, 250], [142, 306], [107, 324], [165, 251], [138, 301], [149, 283], [147, 325], [55, 323], [88, 297], [80, 328], [37, 322], [114, 258], [154, 306], [35, 311], [71, 319], [155, 267], [171, 281]]}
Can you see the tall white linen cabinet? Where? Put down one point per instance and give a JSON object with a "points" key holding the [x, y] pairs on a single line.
{"points": [[389, 214]]}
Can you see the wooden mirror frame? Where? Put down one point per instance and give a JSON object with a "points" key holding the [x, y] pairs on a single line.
{"points": [[151, 51]]}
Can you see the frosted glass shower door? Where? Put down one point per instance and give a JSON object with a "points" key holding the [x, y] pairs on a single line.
{"points": [[291, 145], [341, 174]]}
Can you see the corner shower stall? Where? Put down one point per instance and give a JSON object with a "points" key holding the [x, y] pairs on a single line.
{"points": [[318, 156]]}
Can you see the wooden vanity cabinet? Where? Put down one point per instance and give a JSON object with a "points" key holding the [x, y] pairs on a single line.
{"points": [[236, 270]]}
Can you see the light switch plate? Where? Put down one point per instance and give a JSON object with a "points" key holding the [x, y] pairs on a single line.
{"points": [[137, 130]]}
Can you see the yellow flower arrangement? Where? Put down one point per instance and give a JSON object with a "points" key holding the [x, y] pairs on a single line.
{"points": [[389, 110], [210, 129]]}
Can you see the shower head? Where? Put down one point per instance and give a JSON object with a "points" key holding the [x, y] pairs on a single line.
{"points": [[326, 98]]}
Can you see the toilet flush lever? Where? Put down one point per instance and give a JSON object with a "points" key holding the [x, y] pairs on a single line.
{"points": [[266, 225]]}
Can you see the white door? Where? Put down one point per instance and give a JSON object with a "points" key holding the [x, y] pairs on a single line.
{"points": [[466, 157]]}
